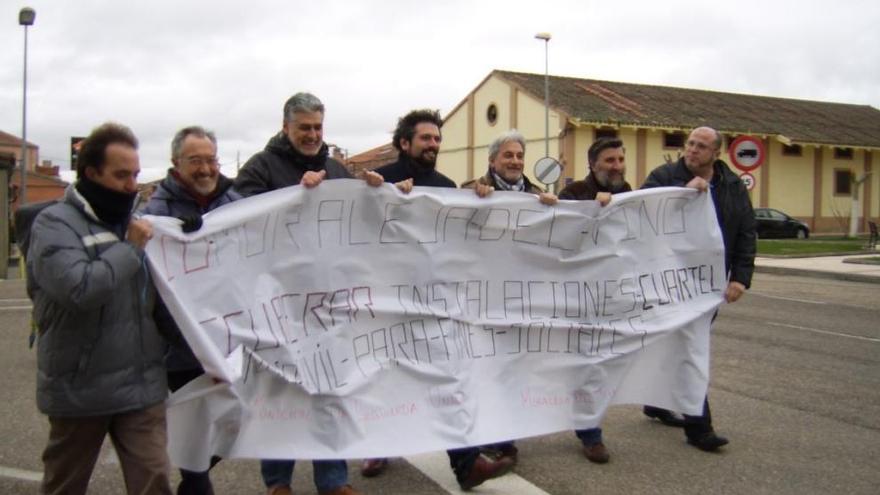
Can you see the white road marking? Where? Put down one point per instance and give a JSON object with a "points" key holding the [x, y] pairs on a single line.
{"points": [[787, 298], [20, 474], [19, 300], [825, 332], [435, 465], [16, 308]]}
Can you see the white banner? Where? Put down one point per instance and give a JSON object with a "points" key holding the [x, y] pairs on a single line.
{"points": [[349, 321]]}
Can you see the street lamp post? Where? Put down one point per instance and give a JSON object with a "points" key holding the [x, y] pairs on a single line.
{"points": [[546, 37], [26, 18]]}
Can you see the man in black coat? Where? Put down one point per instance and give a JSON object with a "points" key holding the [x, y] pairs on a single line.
{"points": [[701, 169], [296, 155], [417, 139]]}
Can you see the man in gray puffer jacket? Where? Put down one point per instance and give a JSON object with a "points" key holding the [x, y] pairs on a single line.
{"points": [[99, 358]]}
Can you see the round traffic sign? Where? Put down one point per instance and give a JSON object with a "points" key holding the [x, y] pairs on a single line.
{"points": [[748, 179], [747, 153], [547, 170]]}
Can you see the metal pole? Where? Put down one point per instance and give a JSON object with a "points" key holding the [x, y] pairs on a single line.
{"points": [[23, 192], [546, 98]]}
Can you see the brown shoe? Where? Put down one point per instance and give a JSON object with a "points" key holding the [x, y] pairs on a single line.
{"points": [[373, 467], [485, 470], [597, 453], [342, 490], [279, 490]]}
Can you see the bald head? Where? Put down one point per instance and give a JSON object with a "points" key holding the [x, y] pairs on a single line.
{"points": [[717, 139], [701, 150]]}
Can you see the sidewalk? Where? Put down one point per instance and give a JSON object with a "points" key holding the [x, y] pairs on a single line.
{"points": [[824, 267]]}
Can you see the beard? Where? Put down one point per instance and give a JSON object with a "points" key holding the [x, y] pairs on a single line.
{"points": [[613, 183], [427, 158], [205, 186]]}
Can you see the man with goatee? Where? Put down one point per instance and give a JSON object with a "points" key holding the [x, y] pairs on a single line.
{"points": [[417, 139]]}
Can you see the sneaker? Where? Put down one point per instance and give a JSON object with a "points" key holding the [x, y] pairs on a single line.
{"points": [[279, 490]]}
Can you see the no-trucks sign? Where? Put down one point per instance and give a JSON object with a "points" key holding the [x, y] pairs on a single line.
{"points": [[747, 153]]}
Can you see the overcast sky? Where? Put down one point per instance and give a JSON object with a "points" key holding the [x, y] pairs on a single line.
{"points": [[160, 65]]}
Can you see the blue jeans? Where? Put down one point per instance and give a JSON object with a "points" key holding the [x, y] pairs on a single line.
{"points": [[328, 475], [590, 436]]}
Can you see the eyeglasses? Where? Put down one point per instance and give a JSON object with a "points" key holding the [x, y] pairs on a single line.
{"points": [[198, 161]]}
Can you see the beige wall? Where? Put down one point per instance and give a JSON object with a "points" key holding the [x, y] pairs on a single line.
{"points": [[530, 122], [497, 92], [457, 173], [452, 160], [790, 181]]}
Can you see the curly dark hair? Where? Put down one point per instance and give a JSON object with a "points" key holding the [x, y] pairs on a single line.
{"points": [[93, 148], [406, 125]]}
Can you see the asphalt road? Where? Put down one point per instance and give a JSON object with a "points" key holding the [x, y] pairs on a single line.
{"points": [[795, 386]]}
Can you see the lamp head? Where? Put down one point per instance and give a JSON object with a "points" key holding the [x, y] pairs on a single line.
{"points": [[26, 16]]}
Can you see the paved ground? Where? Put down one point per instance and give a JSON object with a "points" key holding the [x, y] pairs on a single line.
{"points": [[796, 386]]}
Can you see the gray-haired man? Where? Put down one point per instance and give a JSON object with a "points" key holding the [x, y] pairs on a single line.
{"points": [[296, 155]]}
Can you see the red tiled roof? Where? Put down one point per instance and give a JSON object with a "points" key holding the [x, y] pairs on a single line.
{"points": [[616, 103], [9, 139], [372, 158]]}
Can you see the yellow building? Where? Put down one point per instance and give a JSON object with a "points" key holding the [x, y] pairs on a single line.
{"points": [[814, 150]]}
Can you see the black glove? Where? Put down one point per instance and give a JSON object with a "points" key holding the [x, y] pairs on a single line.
{"points": [[191, 223]]}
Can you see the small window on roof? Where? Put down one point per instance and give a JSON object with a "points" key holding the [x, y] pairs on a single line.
{"points": [[843, 153], [673, 139], [792, 150]]}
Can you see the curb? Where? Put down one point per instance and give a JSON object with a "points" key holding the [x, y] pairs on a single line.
{"points": [[802, 272]]}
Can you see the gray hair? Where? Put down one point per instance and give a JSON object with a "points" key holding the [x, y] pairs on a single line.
{"points": [[301, 102], [193, 130], [511, 135]]}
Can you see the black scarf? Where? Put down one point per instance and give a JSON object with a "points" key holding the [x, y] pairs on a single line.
{"points": [[112, 207]]}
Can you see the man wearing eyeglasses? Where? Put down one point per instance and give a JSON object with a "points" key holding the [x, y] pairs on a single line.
{"points": [[193, 187], [700, 168]]}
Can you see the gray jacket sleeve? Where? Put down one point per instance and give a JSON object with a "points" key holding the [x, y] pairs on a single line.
{"points": [[64, 270]]}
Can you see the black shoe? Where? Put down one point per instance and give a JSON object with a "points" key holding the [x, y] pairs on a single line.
{"points": [[708, 442], [665, 416]]}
